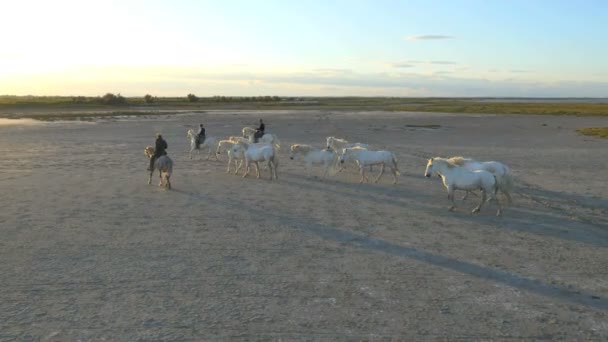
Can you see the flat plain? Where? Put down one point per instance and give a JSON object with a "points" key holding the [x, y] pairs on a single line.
{"points": [[91, 252]]}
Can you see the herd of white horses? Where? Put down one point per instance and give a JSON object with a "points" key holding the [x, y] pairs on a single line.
{"points": [[457, 173]]}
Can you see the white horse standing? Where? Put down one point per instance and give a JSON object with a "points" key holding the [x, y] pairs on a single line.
{"points": [[503, 174], [209, 143], [258, 153], [313, 156], [163, 164], [226, 145], [367, 158], [460, 178]]}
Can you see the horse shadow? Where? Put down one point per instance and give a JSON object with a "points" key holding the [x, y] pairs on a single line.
{"points": [[358, 241], [550, 223]]}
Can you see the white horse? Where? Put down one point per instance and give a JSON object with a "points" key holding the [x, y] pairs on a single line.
{"points": [[503, 174], [460, 178], [258, 153], [163, 164], [209, 143], [267, 138], [313, 155], [367, 158], [248, 131], [226, 145], [338, 145]]}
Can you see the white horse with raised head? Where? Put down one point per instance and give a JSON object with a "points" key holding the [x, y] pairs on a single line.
{"points": [[226, 145], [254, 153], [504, 176], [338, 145], [248, 131], [314, 156], [163, 164], [460, 178], [365, 158], [209, 143]]}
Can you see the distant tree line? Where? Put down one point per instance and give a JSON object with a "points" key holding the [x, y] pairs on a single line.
{"points": [[117, 99]]}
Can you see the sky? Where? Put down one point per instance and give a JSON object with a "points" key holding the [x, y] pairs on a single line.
{"points": [[508, 48]]}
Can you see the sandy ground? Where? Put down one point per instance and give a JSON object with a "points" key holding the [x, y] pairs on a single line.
{"points": [[91, 252]]}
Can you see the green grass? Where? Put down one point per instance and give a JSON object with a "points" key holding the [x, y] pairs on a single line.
{"points": [[51, 107], [601, 132]]}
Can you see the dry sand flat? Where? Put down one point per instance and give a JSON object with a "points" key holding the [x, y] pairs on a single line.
{"points": [[91, 252]]}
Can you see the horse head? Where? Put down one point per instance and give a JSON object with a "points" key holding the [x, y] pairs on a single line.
{"points": [[149, 151], [429, 168]]}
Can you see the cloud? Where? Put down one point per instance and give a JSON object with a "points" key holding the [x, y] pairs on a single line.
{"points": [[178, 81], [518, 71], [443, 62], [401, 65], [429, 37]]}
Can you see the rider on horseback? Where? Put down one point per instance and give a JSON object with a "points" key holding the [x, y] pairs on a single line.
{"points": [[200, 136], [160, 147], [259, 132]]}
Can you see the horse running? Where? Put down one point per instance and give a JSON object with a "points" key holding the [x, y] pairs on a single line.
{"points": [[163, 164], [368, 158], [209, 143], [460, 178], [503, 174], [258, 153], [313, 156]]}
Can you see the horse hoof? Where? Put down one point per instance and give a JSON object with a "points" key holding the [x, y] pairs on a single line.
{"points": [[451, 209], [476, 210]]}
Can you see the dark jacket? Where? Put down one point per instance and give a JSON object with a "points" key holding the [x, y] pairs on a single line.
{"points": [[201, 131], [160, 148], [261, 128]]}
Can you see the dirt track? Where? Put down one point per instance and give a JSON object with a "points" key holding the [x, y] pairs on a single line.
{"points": [[91, 252]]}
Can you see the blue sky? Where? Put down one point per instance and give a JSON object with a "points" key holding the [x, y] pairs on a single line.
{"points": [[316, 48]]}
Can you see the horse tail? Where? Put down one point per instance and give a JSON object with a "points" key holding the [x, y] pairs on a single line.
{"points": [[395, 165]]}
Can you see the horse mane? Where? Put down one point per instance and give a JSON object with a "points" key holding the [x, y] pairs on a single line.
{"points": [[458, 160], [149, 151], [337, 139], [302, 147], [448, 162]]}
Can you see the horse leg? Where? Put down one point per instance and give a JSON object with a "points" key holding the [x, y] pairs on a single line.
{"points": [[483, 199], [257, 169], [394, 175], [150, 178], [240, 165], [508, 196], [326, 170], [246, 168], [380, 174], [451, 198], [499, 211], [270, 168], [363, 176]]}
